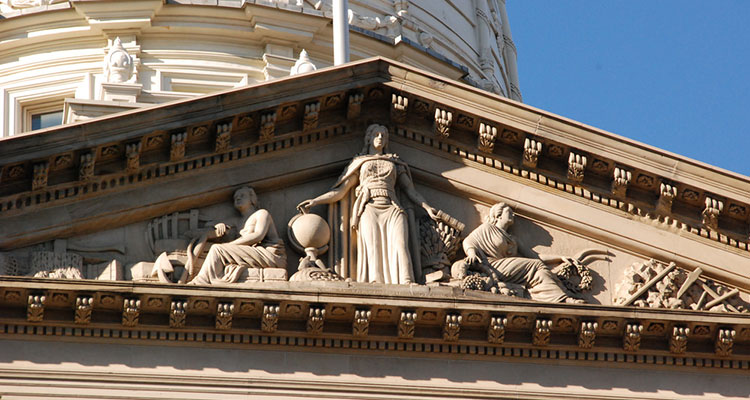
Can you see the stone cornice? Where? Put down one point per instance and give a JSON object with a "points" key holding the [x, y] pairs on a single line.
{"points": [[485, 128], [343, 316]]}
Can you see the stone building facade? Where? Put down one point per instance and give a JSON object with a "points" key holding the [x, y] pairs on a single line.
{"points": [[371, 230], [54, 52]]}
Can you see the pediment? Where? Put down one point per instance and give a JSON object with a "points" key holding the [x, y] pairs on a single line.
{"points": [[663, 224]]}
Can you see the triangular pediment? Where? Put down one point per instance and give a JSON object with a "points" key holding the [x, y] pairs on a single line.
{"points": [[670, 232]]}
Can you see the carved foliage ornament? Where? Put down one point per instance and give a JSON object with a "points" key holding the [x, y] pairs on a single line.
{"points": [[452, 327], [361, 325], [35, 308], [487, 136], [224, 313], [177, 313], [442, 123], [406, 324], [223, 137], [531, 151], [83, 308], [541, 334], [131, 311], [316, 318], [496, 330], [399, 106], [355, 105], [270, 320]]}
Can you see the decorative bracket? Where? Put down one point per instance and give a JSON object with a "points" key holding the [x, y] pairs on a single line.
{"points": [[224, 313], [725, 342], [86, 168], [310, 120], [223, 137], [496, 330], [41, 173], [576, 167], [678, 340], [399, 105], [531, 151], [406, 324], [177, 151], [667, 193], [35, 308], [270, 320], [587, 335], [442, 123], [632, 339], [452, 327], [541, 335], [355, 105], [361, 325], [315, 320], [487, 136], [132, 156], [711, 213], [177, 314], [131, 311], [83, 308], [621, 181], [267, 126]]}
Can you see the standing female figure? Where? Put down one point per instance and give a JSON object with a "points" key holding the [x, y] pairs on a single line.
{"points": [[377, 215]]}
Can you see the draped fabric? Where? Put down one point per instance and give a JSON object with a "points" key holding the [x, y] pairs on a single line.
{"points": [[499, 249], [372, 216], [237, 257]]}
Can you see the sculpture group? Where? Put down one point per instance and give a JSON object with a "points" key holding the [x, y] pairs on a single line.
{"points": [[385, 232], [379, 230]]}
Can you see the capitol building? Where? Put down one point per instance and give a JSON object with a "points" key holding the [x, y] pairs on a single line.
{"points": [[283, 199]]}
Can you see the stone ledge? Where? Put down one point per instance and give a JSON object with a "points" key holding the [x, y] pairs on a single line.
{"points": [[439, 320]]}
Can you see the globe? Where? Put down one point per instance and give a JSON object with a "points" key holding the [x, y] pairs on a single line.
{"points": [[310, 230]]}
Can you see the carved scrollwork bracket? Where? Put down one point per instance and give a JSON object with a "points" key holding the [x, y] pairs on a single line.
{"points": [[399, 105], [361, 324], [315, 320], [131, 311], [587, 334], [83, 308], [442, 123], [452, 327], [725, 341], [632, 339], [269, 322], [678, 340], [620, 181], [177, 314], [354, 107], [531, 150], [496, 330], [35, 308], [541, 335], [576, 167], [487, 136], [224, 313], [406, 324]]}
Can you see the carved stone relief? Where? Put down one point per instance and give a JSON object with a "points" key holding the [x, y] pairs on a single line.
{"points": [[492, 264], [118, 64], [375, 202], [234, 248], [657, 285]]}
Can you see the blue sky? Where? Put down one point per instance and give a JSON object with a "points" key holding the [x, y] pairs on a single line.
{"points": [[674, 74]]}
